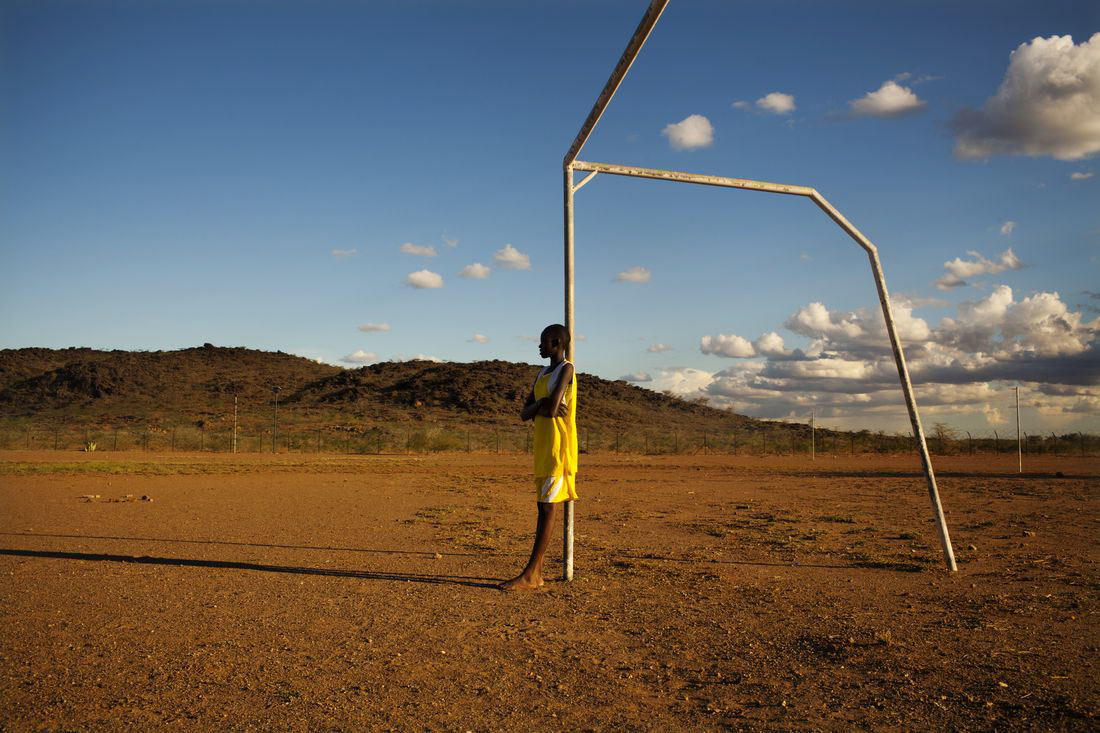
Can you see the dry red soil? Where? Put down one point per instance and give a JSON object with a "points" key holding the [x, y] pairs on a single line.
{"points": [[711, 592]]}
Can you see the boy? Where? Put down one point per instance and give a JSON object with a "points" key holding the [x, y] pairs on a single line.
{"points": [[552, 404]]}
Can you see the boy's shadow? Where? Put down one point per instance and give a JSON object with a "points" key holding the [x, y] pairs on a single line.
{"points": [[473, 582]]}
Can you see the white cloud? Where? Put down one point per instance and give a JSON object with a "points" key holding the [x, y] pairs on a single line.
{"points": [[918, 301], [993, 416], [359, 357], [419, 251], [728, 345], [815, 321], [637, 377], [475, 271], [374, 327], [694, 131], [777, 103], [658, 348], [1003, 329], [911, 329], [1008, 227], [975, 324], [682, 381], [634, 275], [770, 344], [889, 100], [915, 80], [511, 258], [417, 357], [855, 330], [959, 269], [424, 279], [1048, 104], [480, 339], [804, 257], [452, 243], [824, 367], [959, 367], [774, 102], [1079, 176], [1042, 324], [344, 252]]}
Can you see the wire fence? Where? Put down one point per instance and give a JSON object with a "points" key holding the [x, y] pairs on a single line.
{"points": [[760, 440]]}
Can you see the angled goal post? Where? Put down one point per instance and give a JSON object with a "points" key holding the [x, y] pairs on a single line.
{"points": [[571, 164]]}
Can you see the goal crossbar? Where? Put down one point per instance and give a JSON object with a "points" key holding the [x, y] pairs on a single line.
{"points": [[725, 182], [876, 271], [662, 175]]}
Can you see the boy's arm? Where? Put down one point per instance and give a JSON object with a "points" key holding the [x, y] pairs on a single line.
{"points": [[552, 406], [530, 407]]}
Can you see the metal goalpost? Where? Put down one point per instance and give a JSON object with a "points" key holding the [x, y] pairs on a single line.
{"points": [[571, 164]]}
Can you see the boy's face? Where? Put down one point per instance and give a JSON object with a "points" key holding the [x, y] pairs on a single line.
{"points": [[548, 345]]}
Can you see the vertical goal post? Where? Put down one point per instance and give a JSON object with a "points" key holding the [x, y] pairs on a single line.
{"points": [[571, 164]]}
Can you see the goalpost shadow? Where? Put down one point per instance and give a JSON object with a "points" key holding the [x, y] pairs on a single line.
{"points": [[469, 581]]}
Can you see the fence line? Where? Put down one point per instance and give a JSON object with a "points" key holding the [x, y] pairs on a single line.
{"points": [[764, 440]]}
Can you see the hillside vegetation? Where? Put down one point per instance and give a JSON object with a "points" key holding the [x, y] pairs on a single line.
{"points": [[187, 397]]}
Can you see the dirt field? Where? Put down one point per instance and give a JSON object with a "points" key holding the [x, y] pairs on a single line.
{"points": [[341, 593]]}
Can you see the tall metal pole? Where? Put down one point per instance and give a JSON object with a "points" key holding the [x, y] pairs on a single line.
{"points": [[567, 519], [1019, 445], [275, 422], [813, 441]]}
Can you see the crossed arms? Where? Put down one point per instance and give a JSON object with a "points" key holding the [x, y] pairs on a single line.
{"points": [[551, 406]]}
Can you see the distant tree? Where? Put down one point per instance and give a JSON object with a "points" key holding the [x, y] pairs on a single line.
{"points": [[942, 431], [944, 434]]}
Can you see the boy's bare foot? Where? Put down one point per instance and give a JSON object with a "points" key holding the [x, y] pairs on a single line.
{"points": [[521, 582]]}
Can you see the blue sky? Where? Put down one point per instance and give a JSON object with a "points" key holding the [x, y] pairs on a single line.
{"points": [[273, 175]]}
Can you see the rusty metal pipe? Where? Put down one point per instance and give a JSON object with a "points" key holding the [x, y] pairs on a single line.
{"points": [[652, 14]]}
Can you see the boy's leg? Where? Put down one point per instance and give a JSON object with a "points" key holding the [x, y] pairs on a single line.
{"points": [[531, 577]]}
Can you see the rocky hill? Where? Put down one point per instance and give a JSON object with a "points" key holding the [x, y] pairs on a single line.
{"points": [[90, 383], [196, 387]]}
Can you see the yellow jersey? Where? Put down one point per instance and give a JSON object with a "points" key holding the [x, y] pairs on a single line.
{"points": [[556, 437]]}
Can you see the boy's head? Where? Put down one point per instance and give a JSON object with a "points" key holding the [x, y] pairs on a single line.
{"points": [[554, 339]]}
